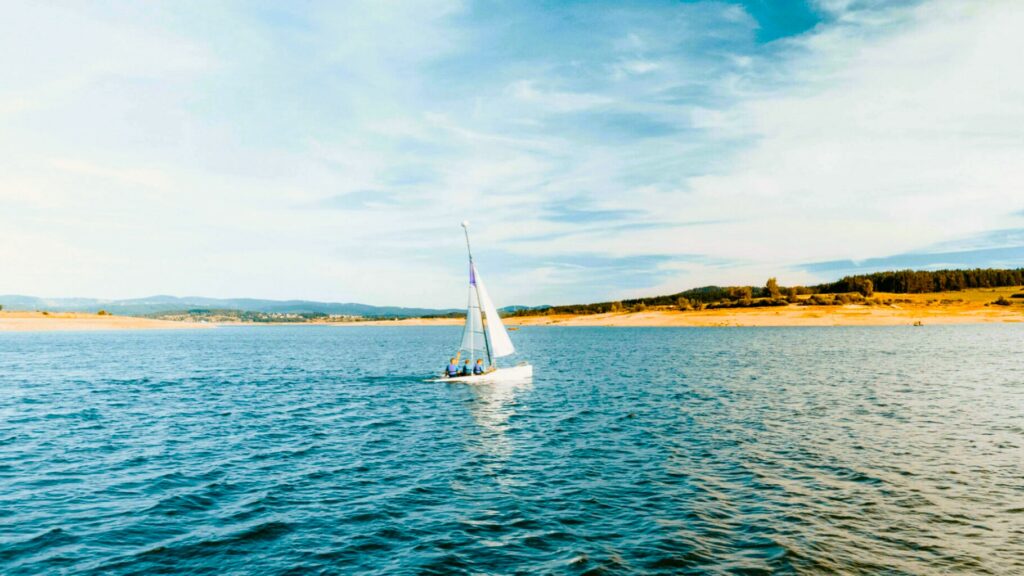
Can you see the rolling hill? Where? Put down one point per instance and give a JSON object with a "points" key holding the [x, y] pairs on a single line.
{"points": [[163, 303]]}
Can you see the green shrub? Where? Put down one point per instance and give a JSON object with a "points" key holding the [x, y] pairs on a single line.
{"points": [[1001, 301], [739, 292], [819, 300]]}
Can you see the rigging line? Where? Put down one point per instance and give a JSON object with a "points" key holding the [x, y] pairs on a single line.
{"points": [[487, 339]]}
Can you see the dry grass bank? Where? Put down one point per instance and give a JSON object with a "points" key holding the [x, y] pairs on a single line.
{"points": [[966, 307]]}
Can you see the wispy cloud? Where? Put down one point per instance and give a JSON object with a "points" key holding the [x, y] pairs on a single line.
{"points": [[578, 211], [555, 101], [1012, 257], [599, 150], [357, 200], [998, 248], [626, 68], [139, 179]]}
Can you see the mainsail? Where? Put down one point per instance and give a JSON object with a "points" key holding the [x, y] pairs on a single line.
{"points": [[497, 337], [485, 333], [473, 337]]}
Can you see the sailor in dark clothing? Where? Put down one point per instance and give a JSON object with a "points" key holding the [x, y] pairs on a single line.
{"points": [[479, 368]]}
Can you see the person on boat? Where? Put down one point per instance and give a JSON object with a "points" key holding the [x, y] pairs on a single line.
{"points": [[479, 368], [453, 368], [466, 370]]}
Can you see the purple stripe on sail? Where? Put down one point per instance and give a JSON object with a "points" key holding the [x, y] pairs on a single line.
{"points": [[472, 276]]}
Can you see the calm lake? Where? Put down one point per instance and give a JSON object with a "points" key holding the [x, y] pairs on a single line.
{"points": [[321, 450]]}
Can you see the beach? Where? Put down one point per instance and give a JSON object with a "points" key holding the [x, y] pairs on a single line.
{"points": [[850, 315], [965, 307], [58, 321]]}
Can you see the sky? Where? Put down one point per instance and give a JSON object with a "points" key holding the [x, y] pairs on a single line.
{"points": [[600, 150]]}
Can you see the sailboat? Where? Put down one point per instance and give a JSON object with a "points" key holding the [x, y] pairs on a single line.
{"points": [[484, 335]]}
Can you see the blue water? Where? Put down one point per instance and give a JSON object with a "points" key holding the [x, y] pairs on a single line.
{"points": [[306, 450]]}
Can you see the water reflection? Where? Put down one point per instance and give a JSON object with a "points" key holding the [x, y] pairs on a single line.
{"points": [[491, 408]]}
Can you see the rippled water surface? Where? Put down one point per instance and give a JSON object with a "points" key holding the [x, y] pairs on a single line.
{"points": [[304, 450]]}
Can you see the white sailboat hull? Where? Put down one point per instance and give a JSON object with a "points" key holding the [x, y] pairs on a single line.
{"points": [[512, 374]]}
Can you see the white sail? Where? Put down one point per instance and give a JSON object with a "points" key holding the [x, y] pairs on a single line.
{"points": [[501, 344], [484, 336], [473, 332]]}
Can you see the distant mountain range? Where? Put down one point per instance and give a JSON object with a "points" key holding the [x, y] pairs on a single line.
{"points": [[161, 304]]}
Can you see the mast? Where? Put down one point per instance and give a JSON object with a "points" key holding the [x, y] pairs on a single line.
{"points": [[476, 287]]}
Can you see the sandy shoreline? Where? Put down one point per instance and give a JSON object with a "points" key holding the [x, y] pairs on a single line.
{"points": [[64, 321], [968, 307], [851, 315]]}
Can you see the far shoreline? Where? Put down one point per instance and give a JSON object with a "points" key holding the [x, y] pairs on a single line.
{"points": [[16, 321], [794, 316], [967, 307], [975, 306]]}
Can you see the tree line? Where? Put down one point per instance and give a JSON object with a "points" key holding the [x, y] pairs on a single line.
{"points": [[920, 281]]}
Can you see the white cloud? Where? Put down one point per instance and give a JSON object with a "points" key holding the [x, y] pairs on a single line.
{"points": [[635, 67], [889, 143], [163, 157], [555, 101], [862, 143]]}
